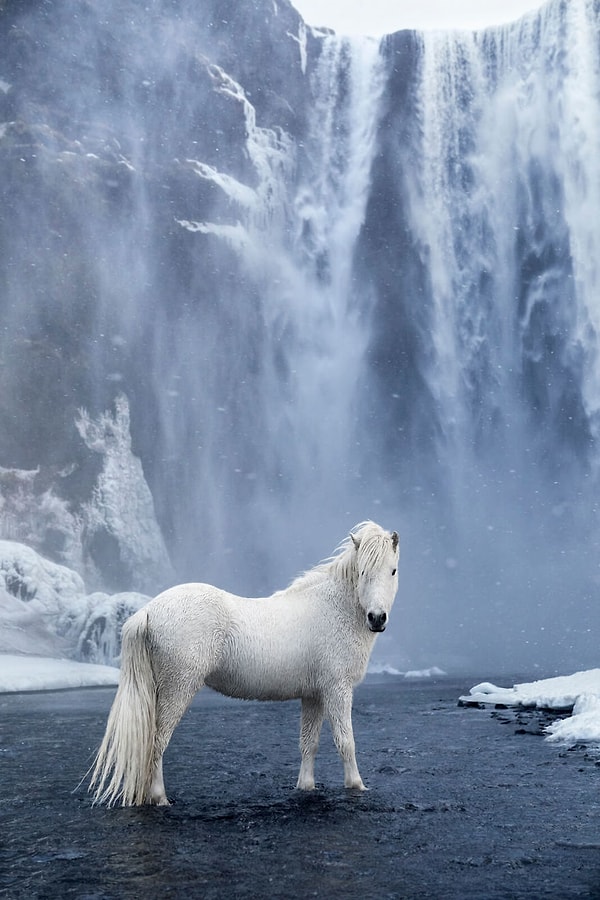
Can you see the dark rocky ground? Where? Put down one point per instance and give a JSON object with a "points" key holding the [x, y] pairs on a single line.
{"points": [[459, 806]]}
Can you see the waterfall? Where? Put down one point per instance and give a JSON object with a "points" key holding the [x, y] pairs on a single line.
{"points": [[332, 279], [501, 214], [280, 450], [509, 126]]}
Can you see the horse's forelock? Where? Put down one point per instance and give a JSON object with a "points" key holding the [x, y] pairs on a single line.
{"points": [[362, 551], [348, 561], [373, 545]]}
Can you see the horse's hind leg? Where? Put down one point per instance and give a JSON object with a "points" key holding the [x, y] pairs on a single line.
{"points": [[172, 700], [157, 794], [310, 729], [338, 707]]}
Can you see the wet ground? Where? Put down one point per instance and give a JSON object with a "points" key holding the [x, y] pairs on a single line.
{"points": [[461, 805]]}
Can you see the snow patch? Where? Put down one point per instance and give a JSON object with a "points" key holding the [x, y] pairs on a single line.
{"points": [[235, 235], [237, 191], [387, 669], [549, 693], [41, 602], [271, 152], [43, 521], [35, 673], [100, 637], [433, 672], [583, 725], [579, 692], [301, 41], [45, 609], [121, 512]]}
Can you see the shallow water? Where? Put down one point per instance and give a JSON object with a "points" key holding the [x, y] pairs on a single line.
{"points": [[459, 806]]}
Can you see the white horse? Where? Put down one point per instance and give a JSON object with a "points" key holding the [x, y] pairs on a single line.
{"points": [[311, 641]]}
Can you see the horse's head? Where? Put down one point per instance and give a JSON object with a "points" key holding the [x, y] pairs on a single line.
{"points": [[376, 563]]}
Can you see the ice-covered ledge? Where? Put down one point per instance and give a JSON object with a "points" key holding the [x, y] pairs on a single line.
{"points": [[579, 692]]}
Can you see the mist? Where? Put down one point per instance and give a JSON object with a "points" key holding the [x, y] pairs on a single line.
{"points": [[316, 280]]}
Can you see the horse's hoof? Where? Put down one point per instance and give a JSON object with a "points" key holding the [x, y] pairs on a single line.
{"points": [[357, 786]]}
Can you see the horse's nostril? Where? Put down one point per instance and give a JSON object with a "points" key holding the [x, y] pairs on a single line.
{"points": [[377, 620]]}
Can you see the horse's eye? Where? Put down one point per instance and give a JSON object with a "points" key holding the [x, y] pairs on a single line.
{"points": [[393, 572]]}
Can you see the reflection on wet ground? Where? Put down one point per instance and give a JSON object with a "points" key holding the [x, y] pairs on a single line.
{"points": [[459, 806]]}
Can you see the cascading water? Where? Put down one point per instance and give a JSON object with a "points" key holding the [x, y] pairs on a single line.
{"points": [[297, 407], [503, 222]]}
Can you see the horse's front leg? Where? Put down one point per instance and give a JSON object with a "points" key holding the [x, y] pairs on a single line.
{"points": [[338, 706], [310, 730]]}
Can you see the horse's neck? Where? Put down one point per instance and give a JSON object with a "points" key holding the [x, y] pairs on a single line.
{"points": [[343, 596], [333, 587]]}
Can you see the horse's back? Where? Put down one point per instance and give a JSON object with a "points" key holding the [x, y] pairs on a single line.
{"points": [[187, 604], [186, 626]]}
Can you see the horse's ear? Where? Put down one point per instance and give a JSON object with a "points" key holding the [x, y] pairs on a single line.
{"points": [[355, 541], [395, 540]]}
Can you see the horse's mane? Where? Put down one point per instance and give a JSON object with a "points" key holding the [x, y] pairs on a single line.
{"points": [[345, 564]]}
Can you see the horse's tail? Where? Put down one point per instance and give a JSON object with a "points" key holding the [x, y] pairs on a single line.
{"points": [[123, 766]]}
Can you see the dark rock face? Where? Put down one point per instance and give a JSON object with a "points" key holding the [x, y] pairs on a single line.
{"points": [[86, 134], [101, 122]]}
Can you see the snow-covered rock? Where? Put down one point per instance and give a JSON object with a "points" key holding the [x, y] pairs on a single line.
{"points": [[119, 520], [579, 692], [45, 609]]}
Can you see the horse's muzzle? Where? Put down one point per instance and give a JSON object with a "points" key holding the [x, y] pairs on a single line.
{"points": [[377, 621]]}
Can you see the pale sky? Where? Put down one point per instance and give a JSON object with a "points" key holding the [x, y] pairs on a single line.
{"points": [[377, 17]]}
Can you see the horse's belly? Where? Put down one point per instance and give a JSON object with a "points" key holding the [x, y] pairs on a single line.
{"points": [[254, 686], [250, 673]]}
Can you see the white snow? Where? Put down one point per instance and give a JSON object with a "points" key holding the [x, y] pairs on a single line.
{"points": [[119, 510], [432, 672], [122, 505], [301, 41], [37, 673], [46, 610], [271, 153], [42, 604], [235, 235], [237, 191], [579, 692], [377, 668]]}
